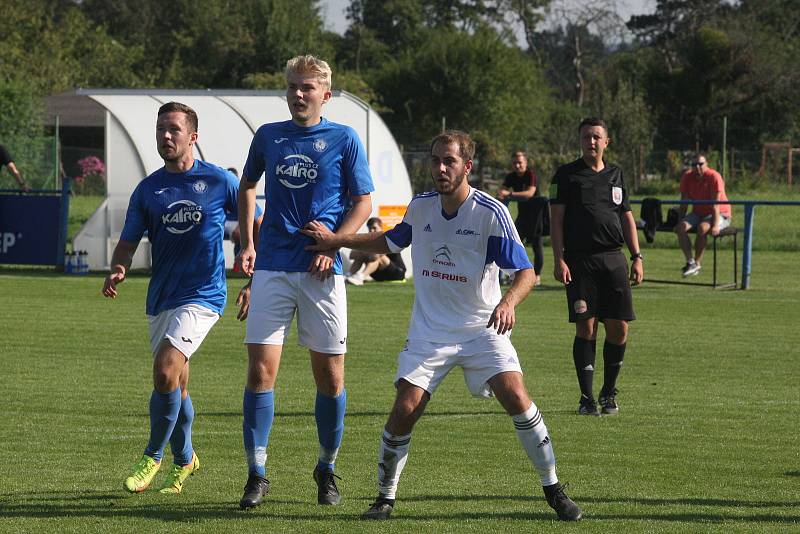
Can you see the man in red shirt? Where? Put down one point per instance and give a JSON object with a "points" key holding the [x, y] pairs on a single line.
{"points": [[701, 183]]}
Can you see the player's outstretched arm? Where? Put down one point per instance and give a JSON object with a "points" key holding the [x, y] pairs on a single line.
{"points": [[322, 263], [504, 317], [120, 263], [374, 242]]}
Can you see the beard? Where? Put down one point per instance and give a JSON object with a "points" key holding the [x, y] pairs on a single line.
{"points": [[449, 186]]}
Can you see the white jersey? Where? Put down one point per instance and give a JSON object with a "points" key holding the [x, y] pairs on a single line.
{"points": [[456, 263]]}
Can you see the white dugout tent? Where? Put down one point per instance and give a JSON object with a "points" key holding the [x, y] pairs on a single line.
{"points": [[227, 122]]}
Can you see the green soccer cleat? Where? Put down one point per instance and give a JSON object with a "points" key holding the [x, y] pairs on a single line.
{"points": [[178, 474], [142, 476]]}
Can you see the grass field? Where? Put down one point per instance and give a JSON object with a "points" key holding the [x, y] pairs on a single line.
{"points": [[707, 439]]}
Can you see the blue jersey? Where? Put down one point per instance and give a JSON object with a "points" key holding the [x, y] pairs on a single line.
{"points": [[184, 217], [311, 173]]}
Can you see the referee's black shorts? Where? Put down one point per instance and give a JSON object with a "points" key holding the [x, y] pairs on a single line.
{"points": [[600, 287]]}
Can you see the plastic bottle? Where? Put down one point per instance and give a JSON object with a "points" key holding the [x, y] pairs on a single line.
{"points": [[83, 263], [73, 263], [68, 263]]}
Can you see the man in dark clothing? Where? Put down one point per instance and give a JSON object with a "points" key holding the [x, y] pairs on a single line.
{"points": [[590, 218], [7, 160], [522, 185]]}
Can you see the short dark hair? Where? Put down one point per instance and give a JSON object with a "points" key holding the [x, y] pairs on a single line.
{"points": [[374, 220], [171, 107], [466, 146], [593, 121]]}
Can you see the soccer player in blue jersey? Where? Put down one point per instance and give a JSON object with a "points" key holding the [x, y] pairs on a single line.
{"points": [[181, 207], [314, 170], [460, 238]]}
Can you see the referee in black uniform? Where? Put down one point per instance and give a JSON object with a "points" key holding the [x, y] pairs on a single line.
{"points": [[590, 218]]}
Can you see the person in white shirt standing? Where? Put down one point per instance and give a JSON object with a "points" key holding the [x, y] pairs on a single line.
{"points": [[461, 237]]}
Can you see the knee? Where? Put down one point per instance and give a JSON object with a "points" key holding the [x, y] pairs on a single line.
{"points": [[402, 418], [164, 381], [618, 334], [516, 402], [330, 387], [259, 376], [586, 330]]}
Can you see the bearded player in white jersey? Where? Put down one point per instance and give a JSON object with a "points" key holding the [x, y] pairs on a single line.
{"points": [[461, 238]]}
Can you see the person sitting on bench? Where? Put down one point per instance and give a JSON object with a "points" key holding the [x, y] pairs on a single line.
{"points": [[701, 182]]}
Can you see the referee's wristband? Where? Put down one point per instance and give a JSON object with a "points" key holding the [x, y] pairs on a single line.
{"points": [[637, 256]]}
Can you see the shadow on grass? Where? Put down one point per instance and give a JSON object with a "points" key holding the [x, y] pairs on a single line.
{"points": [[647, 501], [104, 504], [376, 413]]}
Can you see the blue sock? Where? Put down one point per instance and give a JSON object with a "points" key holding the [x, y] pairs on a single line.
{"points": [[258, 410], [181, 440], [329, 412], [164, 408]]}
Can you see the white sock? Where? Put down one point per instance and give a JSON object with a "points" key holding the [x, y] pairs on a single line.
{"points": [[392, 458], [532, 432]]}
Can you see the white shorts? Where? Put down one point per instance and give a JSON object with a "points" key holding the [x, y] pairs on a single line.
{"points": [[230, 226], [185, 327], [321, 307], [425, 364]]}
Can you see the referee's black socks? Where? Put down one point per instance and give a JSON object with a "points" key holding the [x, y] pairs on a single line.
{"points": [[583, 354], [612, 363]]}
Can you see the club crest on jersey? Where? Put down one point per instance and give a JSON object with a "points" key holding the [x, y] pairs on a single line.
{"points": [[199, 186], [298, 171], [185, 216], [320, 145], [616, 195]]}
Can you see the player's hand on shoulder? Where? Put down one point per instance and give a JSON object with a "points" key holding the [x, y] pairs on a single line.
{"points": [[243, 301], [247, 260]]}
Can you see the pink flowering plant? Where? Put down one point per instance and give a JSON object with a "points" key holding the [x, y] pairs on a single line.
{"points": [[92, 178]]}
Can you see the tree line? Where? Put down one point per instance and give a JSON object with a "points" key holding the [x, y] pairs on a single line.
{"points": [[517, 74]]}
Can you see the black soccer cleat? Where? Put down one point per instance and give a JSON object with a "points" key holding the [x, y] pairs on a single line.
{"points": [[587, 406], [327, 492], [255, 490], [565, 508], [380, 509], [608, 401]]}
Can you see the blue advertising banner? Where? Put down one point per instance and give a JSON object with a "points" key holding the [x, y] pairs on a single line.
{"points": [[29, 229]]}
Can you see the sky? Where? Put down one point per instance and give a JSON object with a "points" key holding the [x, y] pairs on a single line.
{"points": [[333, 11]]}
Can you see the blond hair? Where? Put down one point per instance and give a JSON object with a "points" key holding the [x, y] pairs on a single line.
{"points": [[308, 64], [466, 146]]}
